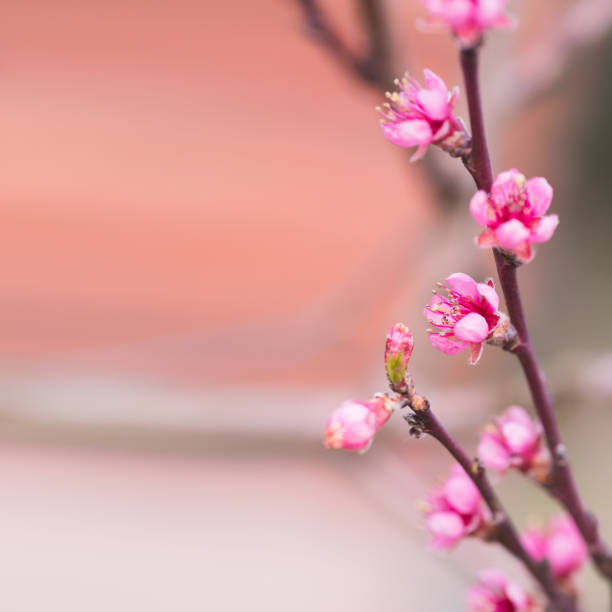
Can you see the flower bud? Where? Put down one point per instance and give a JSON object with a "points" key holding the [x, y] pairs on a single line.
{"points": [[354, 425], [559, 543], [398, 349]]}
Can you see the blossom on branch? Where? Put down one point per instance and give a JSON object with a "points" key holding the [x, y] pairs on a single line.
{"points": [[464, 313], [417, 116], [454, 510], [468, 20], [354, 424], [559, 543], [495, 593], [513, 214], [515, 441]]}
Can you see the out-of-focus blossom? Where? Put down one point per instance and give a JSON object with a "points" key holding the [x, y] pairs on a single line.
{"points": [[417, 116], [464, 313], [454, 510], [354, 425], [513, 214], [560, 543], [398, 348], [495, 593], [515, 441], [468, 20]]}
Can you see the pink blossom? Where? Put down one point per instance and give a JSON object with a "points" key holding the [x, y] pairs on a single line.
{"points": [[454, 510], [466, 315], [495, 593], [560, 543], [418, 116], [513, 213], [398, 349], [468, 20], [354, 425], [514, 440]]}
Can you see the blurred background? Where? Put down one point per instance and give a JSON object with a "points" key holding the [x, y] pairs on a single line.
{"points": [[205, 240]]}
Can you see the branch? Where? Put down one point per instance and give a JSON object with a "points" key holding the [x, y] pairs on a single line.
{"points": [[504, 531], [562, 484], [370, 68]]}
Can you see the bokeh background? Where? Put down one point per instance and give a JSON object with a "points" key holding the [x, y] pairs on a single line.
{"points": [[205, 239]]}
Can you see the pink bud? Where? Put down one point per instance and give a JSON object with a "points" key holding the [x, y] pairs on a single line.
{"points": [[513, 214], [398, 349], [464, 313], [495, 593], [354, 425], [560, 543]]}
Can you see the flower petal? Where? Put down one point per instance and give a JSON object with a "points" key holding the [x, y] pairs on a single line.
{"points": [[434, 82], [493, 453], [511, 234], [446, 528], [476, 349], [479, 207], [409, 133], [519, 437], [487, 239], [462, 494], [472, 328], [463, 284], [544, 229], [448, 346], [433, 103], [540, 194], [489, 295], [524, 252]]}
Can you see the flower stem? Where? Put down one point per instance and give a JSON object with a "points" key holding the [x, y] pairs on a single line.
{"points": [[504, 531], [561, 483]]}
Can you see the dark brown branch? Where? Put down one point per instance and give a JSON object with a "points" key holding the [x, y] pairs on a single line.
{"points": [[562, 484]]}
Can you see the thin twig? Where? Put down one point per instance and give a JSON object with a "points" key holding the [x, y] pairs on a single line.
{"points": [[504, 531]]}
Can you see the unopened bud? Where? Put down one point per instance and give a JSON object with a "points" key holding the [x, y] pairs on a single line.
{"points": [[398, 349]]}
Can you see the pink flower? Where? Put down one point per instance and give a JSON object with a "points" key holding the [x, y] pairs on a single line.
{"points": [[495, 593], [354, 425], [398, 349], [418, 116], [513, 213], [560, 543], [454, 510], [514, 440], [466, 316], [467, 19]]}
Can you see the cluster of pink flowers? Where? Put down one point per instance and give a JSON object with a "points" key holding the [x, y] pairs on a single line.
{"points": [[495, 593], [515, 441], [417, 116], [513, 214], [464, 313], [559, 543], [455, 510], [468, 20], [354, 424]]}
